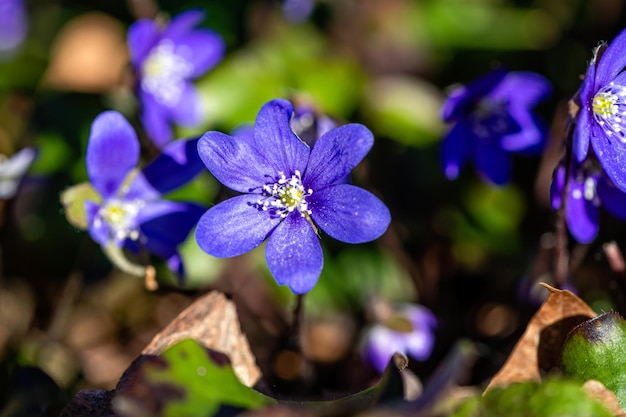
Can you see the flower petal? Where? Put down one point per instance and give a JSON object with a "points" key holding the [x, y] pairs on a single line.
{"points": [[112, 152], [183, 23], [582, 134], [381, 344], [336, 153], [233, 227], [493, 163], [522, 88], [456, 148], [189, 110], [349, 214], [294, 254], [178, 164], [557, 186], [154, 120], [462, 97], [581, 215], [143, 35], [98, 229], [233, 162], [611, 153], [612, 198], [276, 141], [612, 61], [166, 224], [531, 136], [202, 48]]}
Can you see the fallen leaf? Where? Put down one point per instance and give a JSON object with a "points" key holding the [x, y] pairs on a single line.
{"points": [[598, 391], [538, 350], [212, 321]]}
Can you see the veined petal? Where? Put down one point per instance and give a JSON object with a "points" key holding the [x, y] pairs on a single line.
{"points": [[154, 119], [349, 214], [202, 48], [233, 162], [612, 198], [294, 254], [189, 110], [611, 153], [612, 61], [112, 152], [166, 224], [336, 153], [234, 227], [178, 164], [143, 35], [456, 148], [493, 163], [581, 215], [276, 141]]}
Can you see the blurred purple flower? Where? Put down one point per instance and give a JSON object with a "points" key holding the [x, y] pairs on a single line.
{"points": [[166, 60], [408, 329], [12, 170], [298, 10], [601, 116], [491, 118], [13, 25], [588, 189], [289, 190], [131, 213]]}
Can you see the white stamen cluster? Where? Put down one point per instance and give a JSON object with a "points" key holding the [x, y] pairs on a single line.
{"points": [[609, 110], [286, 195], [165, 72], [120, 216]]}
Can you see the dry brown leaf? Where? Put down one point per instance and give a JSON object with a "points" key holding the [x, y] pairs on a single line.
{"points": [[598, 391], [538, 350], [212, 321]]}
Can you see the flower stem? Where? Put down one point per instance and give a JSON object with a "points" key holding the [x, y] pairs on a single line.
{"points": [[561, 263]]}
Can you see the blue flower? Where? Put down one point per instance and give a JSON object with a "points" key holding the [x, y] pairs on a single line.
{"points": [[493, 117], [588, 189], [128, 211], [601, 114], [13, 25], [406, 328], [166, 60], [290, 189]]}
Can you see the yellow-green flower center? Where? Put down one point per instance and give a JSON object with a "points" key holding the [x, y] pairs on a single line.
{"points": [[399, 324], [120, 217], [286, 195], [609, 109]]}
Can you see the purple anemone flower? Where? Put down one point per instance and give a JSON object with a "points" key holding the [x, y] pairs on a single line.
{"points": [[166, 60], [13, 25], [130, 212], [493, 117], [409, 329], [588, 189], [290, 189], [601, 117]]}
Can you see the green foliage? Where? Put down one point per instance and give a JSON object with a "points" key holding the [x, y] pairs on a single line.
{"points": [[74, 199], [186, 380], [550, 398], [596, 349]]}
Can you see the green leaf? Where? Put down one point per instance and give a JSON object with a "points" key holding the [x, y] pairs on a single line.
{"points": [[596, 349], [73, 200], [186, 380], [550, 398]]}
